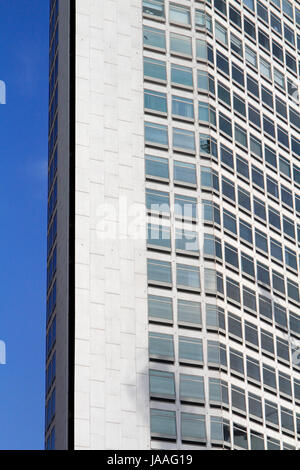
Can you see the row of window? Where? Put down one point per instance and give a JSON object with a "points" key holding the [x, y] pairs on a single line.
{"points": [[192, 392], [189, 314], [262, 11], [186, 208], [240, 366], [193, 430], [182, 46], [187, 242], [184, 174], [188, 279], [157, 135]]}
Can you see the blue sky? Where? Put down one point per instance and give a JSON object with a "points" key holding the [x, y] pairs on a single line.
{"points": [[23, 195]]}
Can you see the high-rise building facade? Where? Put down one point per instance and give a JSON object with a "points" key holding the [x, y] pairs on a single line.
{"points": [[173, 308]]}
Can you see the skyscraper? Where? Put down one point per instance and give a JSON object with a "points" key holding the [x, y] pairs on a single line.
{"points": [[173, 225]]}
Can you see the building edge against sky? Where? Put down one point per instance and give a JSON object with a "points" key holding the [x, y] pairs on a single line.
{"points": [[212, 330]]}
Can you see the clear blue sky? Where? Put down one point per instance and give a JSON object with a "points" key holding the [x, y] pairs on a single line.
{"points": [[23, 195]]}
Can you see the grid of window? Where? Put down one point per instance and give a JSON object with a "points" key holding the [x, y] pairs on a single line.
{"points": [[222, 181]]}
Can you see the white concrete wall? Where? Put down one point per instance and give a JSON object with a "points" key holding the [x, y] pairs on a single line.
{"points": [[111, 345]]}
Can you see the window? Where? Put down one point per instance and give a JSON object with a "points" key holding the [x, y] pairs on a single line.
{"points": [[224, 94], [244, 199], [252, 87], [265, 68], [277, 51], [218, 392], [249, 299], [219, 430], [249, 4], [271, 413], [250, 56], [238, 399], [155, 101], [191, 389], [237, 75], [203, 20], [213, 282], [220, 5], [182, 76], [212, 246], [249, 28], [227, 156], [215, 319], [155, 69], [265, 308], [181, 45], [263, 274], [287, 420], [267, 97], [239, 105], [262, 12], [261, 241], [276, 250], [263, 40], [160, 308], [211, 212], [159, 236], [190, 350], [159, 272], [255, 406], [236, 362], [157, 201], [251, 335], [154, 38], [193, 427], [247, 265], [235, 16], [162, 384], [208, 145], [276, 23], [253, 370], [240, 439], [229, 222], [267, 342], [185, 173], [207, 113], [206, 82], [182, 107], [222, 63], [257, 441], [221, 33], [188, 277], [161, 347], [246, 232], [189, 313], [242, 167], [231, 256], [156, 134], [228, 189], [185, 207], [254, 116], [179, 14], [184, 140], [216, 354], [154, 8], [269, 377], [270, 157], [240, 136], [235, 326], [163, 424]]}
